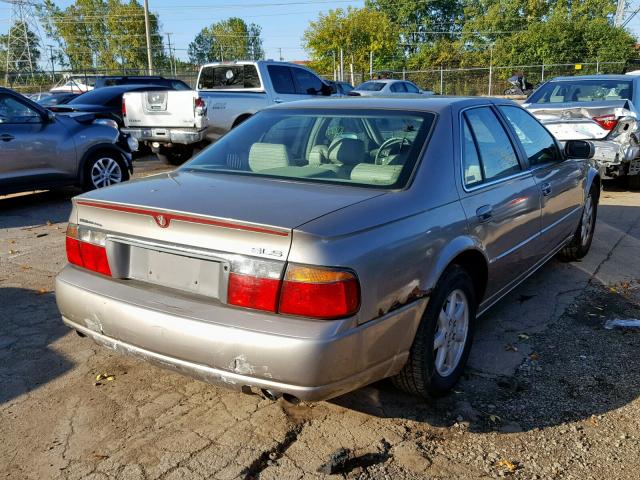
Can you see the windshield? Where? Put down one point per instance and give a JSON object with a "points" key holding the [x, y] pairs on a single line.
{"points": [[370, 86], [582, 91], [363, 147]]}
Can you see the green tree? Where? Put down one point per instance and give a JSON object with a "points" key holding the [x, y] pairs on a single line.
{"points": [[230, 39], [421, 21], [358, 32], [103, 34]]}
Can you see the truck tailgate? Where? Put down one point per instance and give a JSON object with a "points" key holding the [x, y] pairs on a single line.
{"points": [[170, 108]]}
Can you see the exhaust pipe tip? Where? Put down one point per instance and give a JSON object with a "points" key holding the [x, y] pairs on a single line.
{"points": [[271, 394], [292, 399]]}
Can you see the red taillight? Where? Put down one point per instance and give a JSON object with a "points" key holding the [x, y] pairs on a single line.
{"points": [[253, 292], [608, 122], [319, 293], [84, 254], [305, 291], [124, 108], [198, 102]]}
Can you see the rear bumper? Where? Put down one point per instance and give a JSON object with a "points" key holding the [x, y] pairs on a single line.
{"points": [[312, 360], [185, 136]]}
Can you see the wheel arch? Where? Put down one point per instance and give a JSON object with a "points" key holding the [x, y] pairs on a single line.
{"points": [[241, 118], [93, 150], [468, 254]]}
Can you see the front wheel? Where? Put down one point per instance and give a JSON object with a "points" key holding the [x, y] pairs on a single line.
{"points": [[582, 238], [442, 343], [104, 169]]}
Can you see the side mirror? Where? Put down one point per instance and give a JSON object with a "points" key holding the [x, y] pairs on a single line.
{"points": [[579, 149], [49, 116]]}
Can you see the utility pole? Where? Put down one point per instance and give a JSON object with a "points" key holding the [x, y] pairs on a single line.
{"points": [[370, 65], [341, 65], [490, 67], [53, 67], [280, 54], [619, 18], [170, 53], [335, 73], [147, 30]]}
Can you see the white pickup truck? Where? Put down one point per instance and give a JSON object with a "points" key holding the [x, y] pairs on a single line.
{"points": [[227, 94]]}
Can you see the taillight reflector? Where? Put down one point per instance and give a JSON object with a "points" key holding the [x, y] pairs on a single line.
{"points": [[124, 108], [84, 254], [253, 292], [198, 102], [311, 292], [608, 122], [319, 293]]}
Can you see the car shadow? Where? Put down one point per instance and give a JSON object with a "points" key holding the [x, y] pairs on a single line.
{"points": [[29, 326], [37, 208], [541, 357]]}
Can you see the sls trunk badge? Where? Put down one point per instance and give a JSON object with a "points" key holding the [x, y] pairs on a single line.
{"points": [[161, 220]]}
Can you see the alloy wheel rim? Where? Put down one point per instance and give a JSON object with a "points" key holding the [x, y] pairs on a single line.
{"points": [[105, 172], [451, 333], [587, 221]]}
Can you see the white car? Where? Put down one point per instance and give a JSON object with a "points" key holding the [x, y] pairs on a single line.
{"points": [[374, 88]]}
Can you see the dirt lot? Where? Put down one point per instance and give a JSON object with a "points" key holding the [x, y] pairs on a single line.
{"points": [[550, 393]]}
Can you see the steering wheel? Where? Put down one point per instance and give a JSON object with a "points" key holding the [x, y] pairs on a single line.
{"points": [[387, 145]]}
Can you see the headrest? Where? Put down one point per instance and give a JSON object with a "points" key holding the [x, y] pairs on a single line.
{"points": [[376, 174], [264, 156], [347, 151]]}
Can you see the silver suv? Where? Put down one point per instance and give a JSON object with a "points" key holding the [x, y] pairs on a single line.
{"points": [[41, 150]]}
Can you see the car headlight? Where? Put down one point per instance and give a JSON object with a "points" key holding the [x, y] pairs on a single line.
{"points": [[132, 143], [106, 121]]}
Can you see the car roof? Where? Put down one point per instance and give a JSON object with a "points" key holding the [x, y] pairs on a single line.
{"points": [[435, 103], [386, 80], [626, 78]]}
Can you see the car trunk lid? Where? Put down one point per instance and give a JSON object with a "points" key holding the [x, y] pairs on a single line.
{"points": [[188, 231]]}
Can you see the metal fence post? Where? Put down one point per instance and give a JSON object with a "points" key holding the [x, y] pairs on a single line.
{"points": [[404, 73], [441, 80], [542, 74], [490, 68]]}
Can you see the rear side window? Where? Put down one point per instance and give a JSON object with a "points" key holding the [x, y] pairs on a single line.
{"points": [[398, 87], [537, 142], [411, 88], [370, 86], [221, 77], [470, 160], [281, 79], [494, 149], [307, 83]]}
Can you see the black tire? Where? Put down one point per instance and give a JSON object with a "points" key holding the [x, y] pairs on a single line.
{"points": [[176, 155], [420, 376], [104, 160], [579, 245]]}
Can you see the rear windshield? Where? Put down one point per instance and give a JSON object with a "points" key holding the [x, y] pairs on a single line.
{"points": [[363, 147], [582, 91], [370, 86], [228, 77]]}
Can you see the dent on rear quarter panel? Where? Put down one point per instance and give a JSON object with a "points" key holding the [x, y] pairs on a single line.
{"points": [[393, 241]]}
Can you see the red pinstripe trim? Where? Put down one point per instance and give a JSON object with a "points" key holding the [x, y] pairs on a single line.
{"points": [[167, 217]]}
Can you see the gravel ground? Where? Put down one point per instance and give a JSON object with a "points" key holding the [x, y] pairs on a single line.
{"points": [[549, 392]]}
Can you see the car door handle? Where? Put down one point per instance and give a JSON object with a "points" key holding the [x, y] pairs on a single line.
{"points": [[5, 137], [546, 189], [484, 213], [277, 100]]}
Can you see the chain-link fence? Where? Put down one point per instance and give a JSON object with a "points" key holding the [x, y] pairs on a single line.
{"points": [[487, 80], [446, 81]]}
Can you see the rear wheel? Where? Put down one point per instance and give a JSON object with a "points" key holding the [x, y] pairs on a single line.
{"points": [[103, 169], [443, 340], [582, 238], [176, 155]]}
